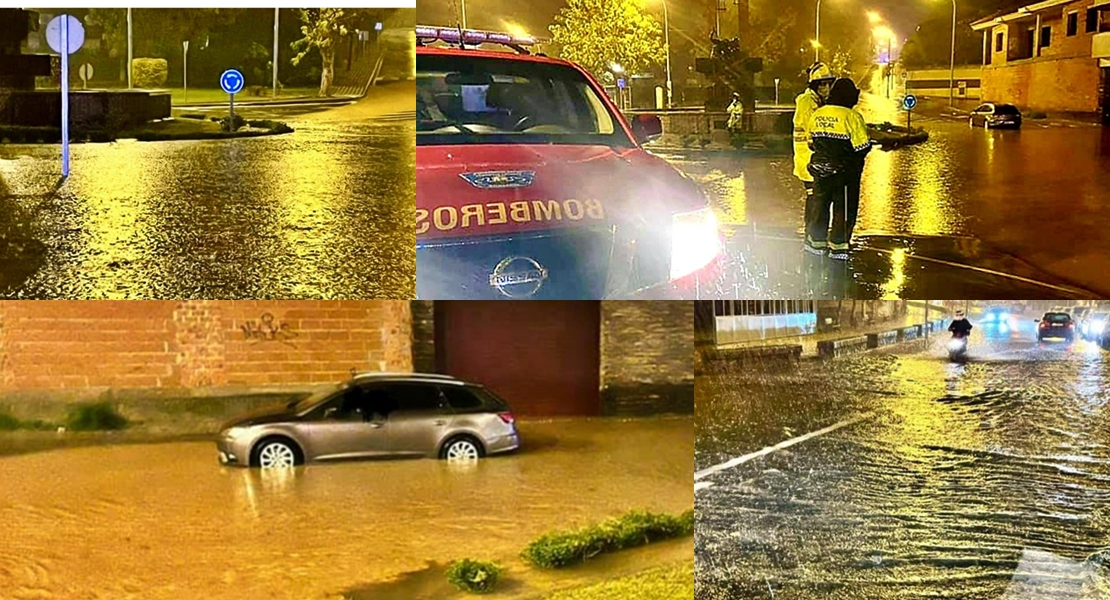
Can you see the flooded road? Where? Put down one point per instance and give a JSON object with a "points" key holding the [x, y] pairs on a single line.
{"points": [[994, 198], [324, 212], [988, 480], [165, 521]]}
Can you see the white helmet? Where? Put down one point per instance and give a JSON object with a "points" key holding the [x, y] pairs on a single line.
{"points": [[820, 72], [960, 314]]}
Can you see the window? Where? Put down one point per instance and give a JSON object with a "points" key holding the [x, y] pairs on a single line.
{"points": [[1092, 20], [1073, 23], [998, 42], [414, 396], [461, 398], [1046, 36]]}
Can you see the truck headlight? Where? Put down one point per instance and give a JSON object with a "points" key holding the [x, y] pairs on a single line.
{"points": [[695, 241]]}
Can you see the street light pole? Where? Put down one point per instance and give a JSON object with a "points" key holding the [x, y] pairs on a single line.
{"points": [[952, 64], [463, 2], [667, 43], [817, 35], [276, 13], [129, 52]]}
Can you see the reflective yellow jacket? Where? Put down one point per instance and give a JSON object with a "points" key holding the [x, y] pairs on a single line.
{"points": [[804, 106]]}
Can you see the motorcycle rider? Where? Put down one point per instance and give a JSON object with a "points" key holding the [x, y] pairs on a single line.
{"points": [[820, 83], [960, 326]]}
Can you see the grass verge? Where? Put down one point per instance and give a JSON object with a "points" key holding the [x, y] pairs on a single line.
{"points": [[560, 549], [97, 416], [661, 583]]}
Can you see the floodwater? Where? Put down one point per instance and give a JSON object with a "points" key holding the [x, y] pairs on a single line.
{"points": [[324, 212], [984, 480], [165, 521], [1036, 195]]}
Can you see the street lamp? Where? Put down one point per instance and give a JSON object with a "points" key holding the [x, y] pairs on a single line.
{"points": [[667, 43], [874, 17], [952, 63], [817, 35]]}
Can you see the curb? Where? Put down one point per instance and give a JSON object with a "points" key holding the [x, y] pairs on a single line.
{"points": [[329, 100]]}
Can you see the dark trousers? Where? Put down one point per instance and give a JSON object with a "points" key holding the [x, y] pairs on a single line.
{"points": [[837, 195]]}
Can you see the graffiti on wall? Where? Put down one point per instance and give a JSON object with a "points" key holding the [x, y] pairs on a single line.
{"points": [[269, 329]]}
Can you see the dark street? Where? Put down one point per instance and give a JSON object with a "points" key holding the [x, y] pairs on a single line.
{"points": [[997, 201], [324, 212], [923, 479]]}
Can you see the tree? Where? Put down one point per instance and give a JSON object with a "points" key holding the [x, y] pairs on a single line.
{"points": [[156, 26], [598, 33], [841, 63]]}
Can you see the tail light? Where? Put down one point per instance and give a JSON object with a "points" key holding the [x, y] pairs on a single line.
{"points": [[507, 417], [1071, 325], [1044, 324]]}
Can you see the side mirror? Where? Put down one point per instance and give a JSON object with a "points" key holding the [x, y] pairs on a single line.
{"points": [[1036, 320], [646, 128]]}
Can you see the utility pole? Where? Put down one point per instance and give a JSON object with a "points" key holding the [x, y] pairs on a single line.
{"points": [[277, 12], [129, 50]]}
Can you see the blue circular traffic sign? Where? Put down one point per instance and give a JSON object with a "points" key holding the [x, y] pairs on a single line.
{"points": [[909, 102], [231, 81]]}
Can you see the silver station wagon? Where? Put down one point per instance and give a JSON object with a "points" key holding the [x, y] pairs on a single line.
{"points": [[374, 415]]}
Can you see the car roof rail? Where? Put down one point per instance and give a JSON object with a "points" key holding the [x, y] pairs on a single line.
{"points": [[401, 375], [461, 38]]}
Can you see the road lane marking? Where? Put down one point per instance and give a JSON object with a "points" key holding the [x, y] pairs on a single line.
{"points": [[701, 485], [779, 446], [988, 272]]}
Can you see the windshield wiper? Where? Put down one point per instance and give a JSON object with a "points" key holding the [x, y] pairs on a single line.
{"points": [[456, 124]]}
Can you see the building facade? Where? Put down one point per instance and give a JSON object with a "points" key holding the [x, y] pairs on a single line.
{"points": [[545, 358], [1048, 56]]}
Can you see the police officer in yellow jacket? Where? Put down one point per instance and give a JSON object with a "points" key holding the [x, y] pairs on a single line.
{"points": [[820, 81], [840, 144]]}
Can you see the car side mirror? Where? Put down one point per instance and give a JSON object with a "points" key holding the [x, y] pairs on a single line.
{"points": [[1036, 320], [646, 128]]}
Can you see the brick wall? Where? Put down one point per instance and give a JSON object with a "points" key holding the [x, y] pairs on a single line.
{"points": [[190, 344], [647, 357], [423, 336], [1057, 85]]}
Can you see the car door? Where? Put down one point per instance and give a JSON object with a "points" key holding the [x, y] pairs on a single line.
{"points": [[420, 419], [979, 117], [347, 426]]}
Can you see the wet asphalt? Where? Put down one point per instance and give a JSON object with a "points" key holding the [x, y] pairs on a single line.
{"points": [[324, 212], [998, 201], [983, 480]]}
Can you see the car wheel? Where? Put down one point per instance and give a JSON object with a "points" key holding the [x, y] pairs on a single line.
{"points": [[462, 447], [276, 453]]}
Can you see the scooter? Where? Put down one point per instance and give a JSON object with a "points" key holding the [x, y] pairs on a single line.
{"points": [[957, 347]]}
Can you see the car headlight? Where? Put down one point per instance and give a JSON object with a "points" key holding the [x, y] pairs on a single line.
{"points": [[695, 241], [955, 344], [236, 432]]}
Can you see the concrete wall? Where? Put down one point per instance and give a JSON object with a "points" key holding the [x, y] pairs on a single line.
{"points": [[934, 83], [84, 348], [647, 357]]}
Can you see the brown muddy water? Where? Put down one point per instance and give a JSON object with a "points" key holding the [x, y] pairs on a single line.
{"points": [[165, 521]]}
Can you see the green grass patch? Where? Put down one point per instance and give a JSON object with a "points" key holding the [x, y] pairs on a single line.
{"points": [[9, 422], [98, 416], [474, 576], [560, 549], [661, 583]]}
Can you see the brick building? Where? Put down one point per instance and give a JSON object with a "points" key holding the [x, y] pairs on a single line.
{"points": [[1051, 56], [553, 358]]}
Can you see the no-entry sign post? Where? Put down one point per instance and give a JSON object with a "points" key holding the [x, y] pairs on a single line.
{"points": [[231, 82], [65, 35]]}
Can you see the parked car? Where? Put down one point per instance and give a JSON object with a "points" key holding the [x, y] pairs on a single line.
{"points": [[990, 115], [374, 415], [1056, 325]]}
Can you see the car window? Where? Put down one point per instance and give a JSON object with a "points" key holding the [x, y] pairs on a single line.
{"points": [[1057, 317], [414, 396], [982, 109], [461, 397], [1099, 316], [473, 99], [1006, 110]]}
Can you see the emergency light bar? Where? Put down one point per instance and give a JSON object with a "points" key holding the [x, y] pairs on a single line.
{"points": [[472, 37]]}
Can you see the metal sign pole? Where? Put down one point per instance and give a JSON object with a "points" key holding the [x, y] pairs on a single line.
{"points": [[65, 95], [231, 103], [185, 71], [275, 57]]}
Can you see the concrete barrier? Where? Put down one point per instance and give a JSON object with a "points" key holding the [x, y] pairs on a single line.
{"points": [[885, 338], [910, 333], [834, 348], [753, 353]]}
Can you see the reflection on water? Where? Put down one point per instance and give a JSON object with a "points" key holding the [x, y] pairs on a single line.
{"points": [[167, 522], [989, 479]]}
